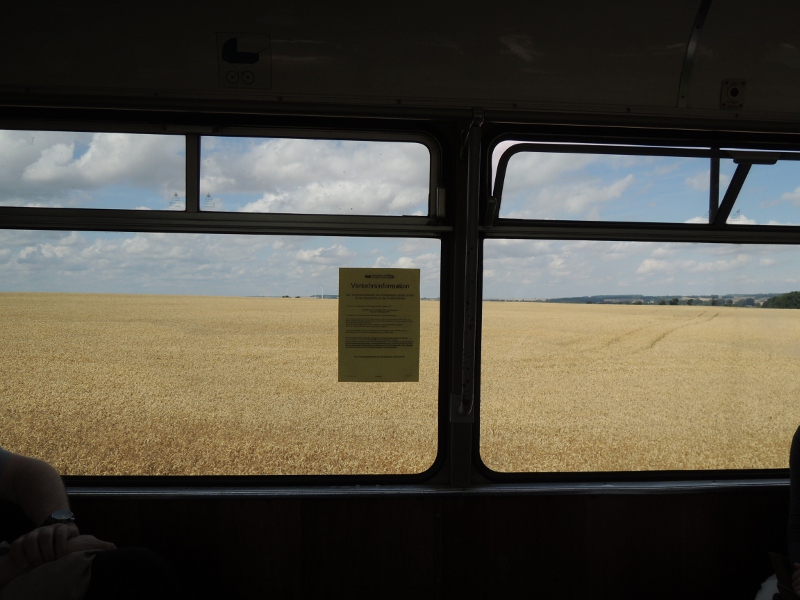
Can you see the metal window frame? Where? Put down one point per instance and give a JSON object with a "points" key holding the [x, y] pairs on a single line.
{"points": [[434, 169], [717, 230], [99, 218], [436, 225], [648, 143], [464, 145]]}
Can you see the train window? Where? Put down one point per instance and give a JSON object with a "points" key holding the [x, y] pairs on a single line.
{"points": [[633, 356], [64, 169], [594, 183], [201, 354], [314, 176]]}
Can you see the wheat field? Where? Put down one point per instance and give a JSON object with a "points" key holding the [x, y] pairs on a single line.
{"points": [[134, 385], [115, 384], [571, 387]]}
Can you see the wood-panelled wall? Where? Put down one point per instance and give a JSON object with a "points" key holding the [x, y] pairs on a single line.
{"points": [[693, 545]]}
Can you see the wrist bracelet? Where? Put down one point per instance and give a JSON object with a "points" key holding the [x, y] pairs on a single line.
{"points": [[60, 516]]}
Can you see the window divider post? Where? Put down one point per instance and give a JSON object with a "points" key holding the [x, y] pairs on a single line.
{"points": [[192, 173]]}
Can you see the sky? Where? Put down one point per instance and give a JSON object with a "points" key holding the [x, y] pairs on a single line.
{"points": [[146, 172]]}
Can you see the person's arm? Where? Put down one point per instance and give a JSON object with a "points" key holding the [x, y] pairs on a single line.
{"points": [[7, 571], [34, 486], [9, 564], [37, 488]]}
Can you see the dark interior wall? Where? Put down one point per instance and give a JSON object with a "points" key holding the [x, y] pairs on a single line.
{"points": [[693, 545]]}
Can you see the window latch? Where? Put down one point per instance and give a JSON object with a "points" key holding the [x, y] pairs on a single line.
{"points": [[459, 411]]}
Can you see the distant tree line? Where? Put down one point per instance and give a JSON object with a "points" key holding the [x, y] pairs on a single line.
{"points": [[790, 300]]}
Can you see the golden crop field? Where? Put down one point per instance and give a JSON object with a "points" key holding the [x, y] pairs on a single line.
{"points": [[577, 387], [115, 384]]}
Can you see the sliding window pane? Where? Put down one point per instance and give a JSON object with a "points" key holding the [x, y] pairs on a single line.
{"points": [[184, 354], [604, 187], [64, 169], [624, 356]]}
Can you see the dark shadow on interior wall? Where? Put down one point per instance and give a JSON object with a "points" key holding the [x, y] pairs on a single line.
{"points": [[134, 572], [13, 521]]}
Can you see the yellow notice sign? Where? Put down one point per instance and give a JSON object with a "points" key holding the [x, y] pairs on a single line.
{"points": [[378, 324]]}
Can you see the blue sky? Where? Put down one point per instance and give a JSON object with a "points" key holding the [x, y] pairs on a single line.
{"points": [[527, 269], [541, 185], [200, 264], [314, 176], [107, 170]]}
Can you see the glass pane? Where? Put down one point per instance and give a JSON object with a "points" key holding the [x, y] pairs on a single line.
{"points": [[65, 169], [602, 187], [609, 356], [156, 354], [770, 195], [279, 175]]}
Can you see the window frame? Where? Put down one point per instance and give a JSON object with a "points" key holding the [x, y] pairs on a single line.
{"points": [[436, 225], [193, 220], [611, 140], [463, 142]]}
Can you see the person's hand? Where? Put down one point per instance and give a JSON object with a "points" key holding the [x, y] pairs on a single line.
{"points": [[87, 542], [43, 544], [796, 579]]}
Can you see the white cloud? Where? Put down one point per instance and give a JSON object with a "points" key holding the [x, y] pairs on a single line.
{"points": [[289, 243], [52, 163], [774, 222], [736, 219], [619, 251], [424, 262], [556, 262], [371, 197], [651, 265], [81, 169], [517, 248], [140, 244], [579, 199], [692, 265], [262, 175], [716, 266], [528, 170], [663, 251], [412, 246], [793, 197], [740, 219], [701, 181], [317, 176], [333, 255], [586, 268], [573, 198], [665, 169]]}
